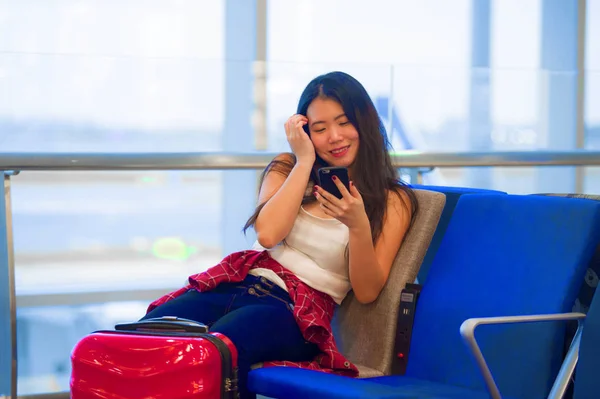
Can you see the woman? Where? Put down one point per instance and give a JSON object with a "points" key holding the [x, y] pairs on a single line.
{"points": [[276, 301]]}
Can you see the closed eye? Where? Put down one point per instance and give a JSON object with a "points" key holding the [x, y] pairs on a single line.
{"points": [[323, 129]]}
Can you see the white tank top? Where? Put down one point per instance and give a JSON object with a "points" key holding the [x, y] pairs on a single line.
{"points": [[314, 251]]}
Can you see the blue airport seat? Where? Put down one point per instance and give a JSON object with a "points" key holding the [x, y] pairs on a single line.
{"points": [[587, 383], [452, 196], [502, 255]]}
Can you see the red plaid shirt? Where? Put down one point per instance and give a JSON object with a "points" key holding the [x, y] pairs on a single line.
{"points": [[313, 309]]}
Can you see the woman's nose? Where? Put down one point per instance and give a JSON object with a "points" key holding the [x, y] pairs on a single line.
{"points": [[334, 135]]}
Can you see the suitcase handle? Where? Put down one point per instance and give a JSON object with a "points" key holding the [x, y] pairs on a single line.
{"points": [[165, 323]]}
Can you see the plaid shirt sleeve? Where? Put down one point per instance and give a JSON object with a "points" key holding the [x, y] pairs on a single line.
{"points": [[313, 310]]}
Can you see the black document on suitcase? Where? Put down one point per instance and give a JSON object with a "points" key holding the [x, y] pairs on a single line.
{"points": [[406, 317]]}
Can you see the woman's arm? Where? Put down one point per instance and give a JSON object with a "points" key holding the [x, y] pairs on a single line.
{"points": [[370, 264], [283, 196]]}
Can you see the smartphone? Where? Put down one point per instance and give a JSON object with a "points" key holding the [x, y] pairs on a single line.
{"points": [[326, 182]]}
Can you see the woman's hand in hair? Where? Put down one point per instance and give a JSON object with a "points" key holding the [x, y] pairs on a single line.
{"points": [[350, 209], [299, 140]]}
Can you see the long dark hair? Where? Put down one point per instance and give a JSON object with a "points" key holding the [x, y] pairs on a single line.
{"points": [[372, 171]]}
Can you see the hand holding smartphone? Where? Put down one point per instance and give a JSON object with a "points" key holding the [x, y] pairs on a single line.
{"points": [[326, 182]]}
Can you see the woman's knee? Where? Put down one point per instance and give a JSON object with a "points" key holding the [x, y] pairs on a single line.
{"points": [[198, 306]]}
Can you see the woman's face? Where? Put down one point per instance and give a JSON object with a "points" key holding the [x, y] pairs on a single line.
{"points": [[334, 137]]}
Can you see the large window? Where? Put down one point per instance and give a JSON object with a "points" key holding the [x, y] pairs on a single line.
{"points": [[93, 249], [412, 57], [98, 75], [592, 91], [412, 54]]}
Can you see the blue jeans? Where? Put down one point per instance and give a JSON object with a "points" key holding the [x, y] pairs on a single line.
{"points": [[255, 314]]}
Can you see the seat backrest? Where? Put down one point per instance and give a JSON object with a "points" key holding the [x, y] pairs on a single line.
{"points": [[503, 255], [587, 384], [588, 287], [365, 334], [452, 195]]}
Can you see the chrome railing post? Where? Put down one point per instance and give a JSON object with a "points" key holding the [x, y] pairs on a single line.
{"points": [[8, 305], [413, 174]]}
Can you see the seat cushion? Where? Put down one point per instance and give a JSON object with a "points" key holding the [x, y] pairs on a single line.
{"points": [[428, 390], [295, 383]]}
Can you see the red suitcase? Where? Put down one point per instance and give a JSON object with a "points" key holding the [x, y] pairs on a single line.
{"points": [[165, 358]]}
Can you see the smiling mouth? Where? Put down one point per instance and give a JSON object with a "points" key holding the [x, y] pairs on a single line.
{"points": [[339, 151]]}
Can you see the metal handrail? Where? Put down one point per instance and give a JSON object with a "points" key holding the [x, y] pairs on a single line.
{"points": [[258, 160]]}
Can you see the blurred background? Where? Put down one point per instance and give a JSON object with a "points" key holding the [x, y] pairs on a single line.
{"points": [[94, 248]]}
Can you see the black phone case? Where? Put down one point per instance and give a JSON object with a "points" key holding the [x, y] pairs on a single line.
{"points": [[326, 183]]}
